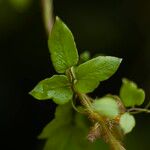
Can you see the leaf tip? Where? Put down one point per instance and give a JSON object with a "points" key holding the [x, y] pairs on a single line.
{"points": [[120, 59], [31, 92]]}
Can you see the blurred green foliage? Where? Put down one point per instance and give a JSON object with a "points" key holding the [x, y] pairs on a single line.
{"points": [[68, 131], [20, 5]]}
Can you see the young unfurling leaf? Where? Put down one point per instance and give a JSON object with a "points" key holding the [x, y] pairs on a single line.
{"points": [[130, 94], [62, 47], [85, 56], [106, 106], [57, 88], [90, 73]]}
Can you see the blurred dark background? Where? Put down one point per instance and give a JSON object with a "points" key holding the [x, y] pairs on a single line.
{"points": [[112, 27]]}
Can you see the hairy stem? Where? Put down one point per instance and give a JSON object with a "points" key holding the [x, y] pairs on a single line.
{"points": [[86, 101], [109, 137]]}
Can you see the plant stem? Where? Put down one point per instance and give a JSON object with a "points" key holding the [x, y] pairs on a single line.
{"points": [[47, 9], [138, 110], [109, 137], [86, 101], [148, 105]]}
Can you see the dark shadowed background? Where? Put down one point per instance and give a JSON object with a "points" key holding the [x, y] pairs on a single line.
{"points": [[112, 27]]}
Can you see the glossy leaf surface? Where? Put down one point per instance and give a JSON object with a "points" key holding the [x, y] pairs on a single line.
{"points": [[90, 73], [57, 88], [62, 47]]}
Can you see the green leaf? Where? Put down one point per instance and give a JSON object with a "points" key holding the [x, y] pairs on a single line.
{"points": [[106, 106], [68, 131], [90, 73], [130, 94], [57, 88], [127, 122], [62, 47]]}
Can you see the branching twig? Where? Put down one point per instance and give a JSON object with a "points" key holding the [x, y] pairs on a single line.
{"points": [[138, 110], [148, 105]]}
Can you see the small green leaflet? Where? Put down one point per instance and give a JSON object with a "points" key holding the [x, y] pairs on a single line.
{"points": [[90, 73], [68, 131], [106, 106], [62, 47], [130, 94], [127, 122], [57, 88]]}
